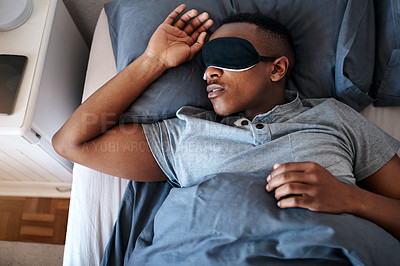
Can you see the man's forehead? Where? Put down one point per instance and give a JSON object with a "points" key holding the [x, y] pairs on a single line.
{"points": [[238, 29]]}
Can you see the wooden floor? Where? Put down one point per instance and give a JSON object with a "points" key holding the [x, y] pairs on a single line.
{"points": [[40, 220]]}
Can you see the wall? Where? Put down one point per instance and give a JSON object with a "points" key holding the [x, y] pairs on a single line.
{"points": [[85, 14]]}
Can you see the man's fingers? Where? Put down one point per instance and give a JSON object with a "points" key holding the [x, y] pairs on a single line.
{"points": [[185, 18], [280, 169], [191, 24], [196, 23], [196, 47], [175, 14], [294, 166], [295, 202], [291, 189], [202, 28], [285, 178]]}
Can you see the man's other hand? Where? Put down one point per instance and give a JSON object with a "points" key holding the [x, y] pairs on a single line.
{"points": [[308, 185]]}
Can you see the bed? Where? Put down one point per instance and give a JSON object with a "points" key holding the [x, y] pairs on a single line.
{"points": [[96, 198]]}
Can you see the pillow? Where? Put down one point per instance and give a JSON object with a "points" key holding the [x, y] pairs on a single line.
{"points": [[333, 42], [387, 64]]}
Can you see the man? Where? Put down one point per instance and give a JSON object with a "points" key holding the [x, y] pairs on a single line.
{"points": [[260, 131]]}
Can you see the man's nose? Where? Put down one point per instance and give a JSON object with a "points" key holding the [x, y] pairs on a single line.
{"points": [[212, 73]]}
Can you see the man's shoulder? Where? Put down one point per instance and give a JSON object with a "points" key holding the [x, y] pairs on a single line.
{"points": [[313, 102], [332, 111], [328, 103]]}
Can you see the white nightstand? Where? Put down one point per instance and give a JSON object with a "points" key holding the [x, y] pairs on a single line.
{"points": [[51, 89]]}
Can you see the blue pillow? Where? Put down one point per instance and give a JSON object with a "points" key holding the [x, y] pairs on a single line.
{"points": [[333, 42], [387, 65]]}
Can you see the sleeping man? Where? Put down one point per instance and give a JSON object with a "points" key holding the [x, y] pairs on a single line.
{"points": [[319, 155]]}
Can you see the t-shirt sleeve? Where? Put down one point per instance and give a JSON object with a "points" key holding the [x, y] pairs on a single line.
{"points": [[371, 147], [162, 138]]}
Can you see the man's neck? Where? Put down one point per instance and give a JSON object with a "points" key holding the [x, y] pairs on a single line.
{"points": [[274, 99]]}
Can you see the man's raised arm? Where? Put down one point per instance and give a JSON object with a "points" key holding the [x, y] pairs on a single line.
{"points": [[92, 137]]}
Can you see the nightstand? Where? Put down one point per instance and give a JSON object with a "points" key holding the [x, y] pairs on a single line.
{"points": [[50, 90]]}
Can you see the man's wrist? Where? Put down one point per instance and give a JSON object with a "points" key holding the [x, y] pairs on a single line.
{"points": [[153, 63], [355, 203]]}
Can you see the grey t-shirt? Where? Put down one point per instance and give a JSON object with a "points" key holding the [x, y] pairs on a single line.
{"points": [[198, 142]]}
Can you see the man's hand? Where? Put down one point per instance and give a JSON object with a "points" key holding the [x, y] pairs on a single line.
{"points": [[308, 185], [175, 43]]}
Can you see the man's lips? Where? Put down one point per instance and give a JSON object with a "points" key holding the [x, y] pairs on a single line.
{"points": [[214, 90]]}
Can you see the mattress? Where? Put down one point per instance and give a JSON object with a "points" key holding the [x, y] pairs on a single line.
{"points": [[95, 197]]}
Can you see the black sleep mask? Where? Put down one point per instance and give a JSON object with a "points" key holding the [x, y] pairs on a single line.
{"points": [[232, 53]]}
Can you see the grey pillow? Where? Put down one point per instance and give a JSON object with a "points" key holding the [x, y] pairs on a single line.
{"points": [[334, 47], [387, 65]]}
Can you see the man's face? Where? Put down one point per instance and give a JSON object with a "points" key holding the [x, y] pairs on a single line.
{"points": [[246, 91]]}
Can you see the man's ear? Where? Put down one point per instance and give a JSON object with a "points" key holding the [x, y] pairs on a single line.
{"points": [[280, 68]]}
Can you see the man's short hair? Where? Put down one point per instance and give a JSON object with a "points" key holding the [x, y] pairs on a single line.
{"points": [[276, 37]]}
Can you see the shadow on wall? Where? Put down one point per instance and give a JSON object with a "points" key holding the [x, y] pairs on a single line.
{"points": [[85, 15]]}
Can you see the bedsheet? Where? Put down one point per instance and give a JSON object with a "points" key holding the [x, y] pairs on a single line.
{"points": [[94, 205], [230, 220], [96, 197]]}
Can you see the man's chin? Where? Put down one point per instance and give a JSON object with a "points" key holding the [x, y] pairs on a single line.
{"points": [[222, 111]]}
